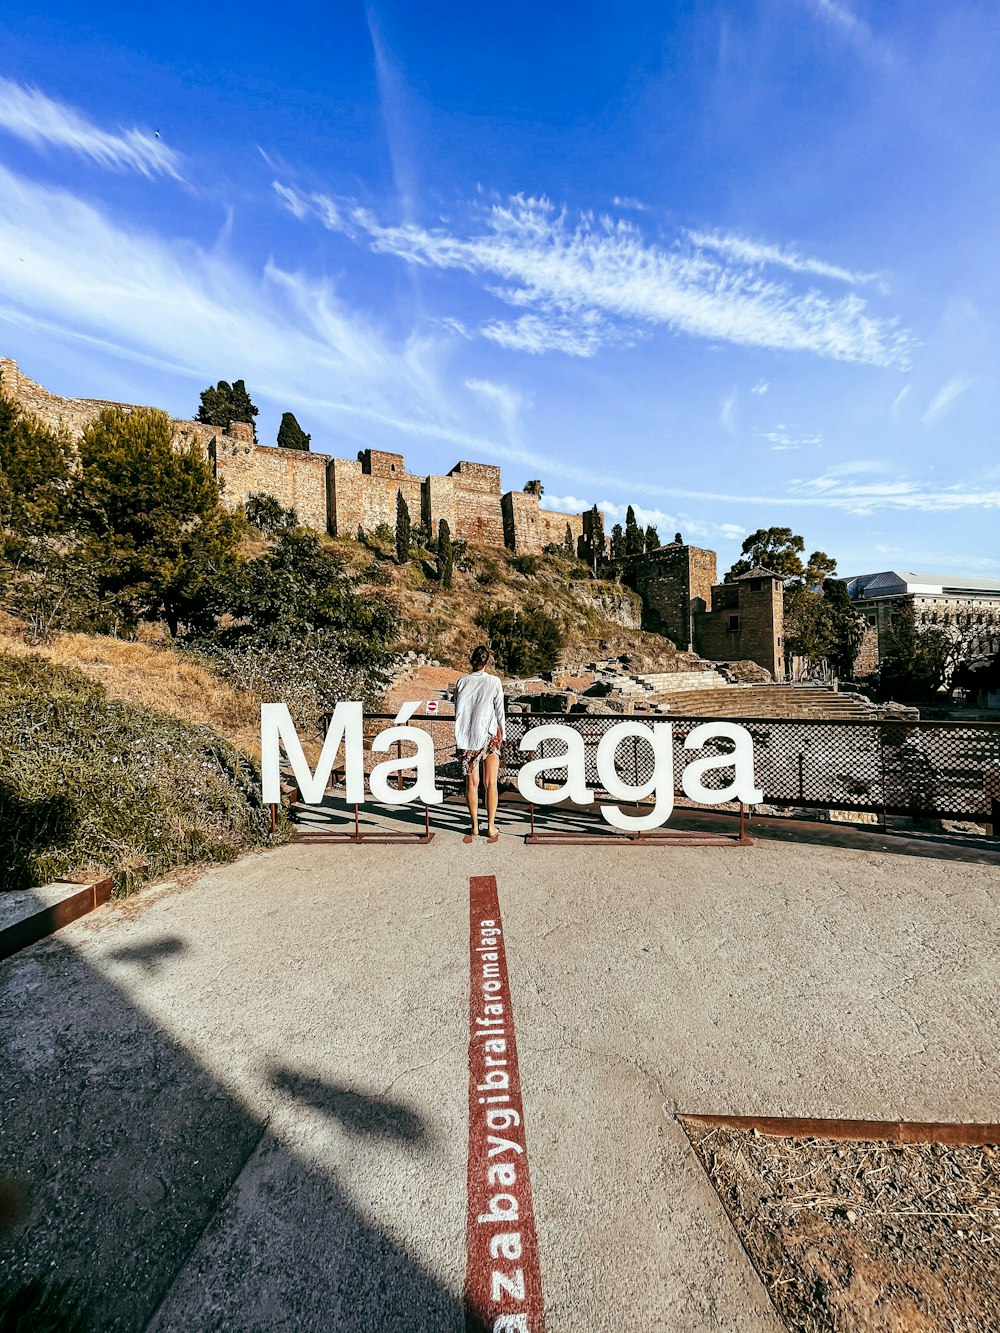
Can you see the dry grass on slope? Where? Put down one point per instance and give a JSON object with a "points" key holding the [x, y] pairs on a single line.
{"points": [[150, 676]]}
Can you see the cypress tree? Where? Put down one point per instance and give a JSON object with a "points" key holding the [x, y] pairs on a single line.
{"points": [[617, 542], [446, 557], [633, 534], [290, 433], [570, 544], [652, 538], [402, 530]]}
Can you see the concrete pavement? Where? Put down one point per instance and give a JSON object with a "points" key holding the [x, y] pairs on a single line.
{"points": [[242, 1102]]}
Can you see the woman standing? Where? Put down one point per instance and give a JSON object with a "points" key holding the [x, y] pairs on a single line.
{"points": [[479, 731]]}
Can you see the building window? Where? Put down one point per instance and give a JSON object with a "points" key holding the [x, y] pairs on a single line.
{"points": [[392, 467], [756, 585], [734, 622]]}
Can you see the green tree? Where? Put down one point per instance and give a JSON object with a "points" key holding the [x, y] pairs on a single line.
{"points": [[651, 539], [569, 542], [598, 543], [524, 643], [778, 549], [819, 567], [224, 402], [445, 554], [290, 433], [847, 626], [534, 488], [150, 518], [617, 542], [403, 539], [633, 534], [36, 466], [914, 662]]}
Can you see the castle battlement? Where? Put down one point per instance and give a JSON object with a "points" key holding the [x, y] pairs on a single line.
{"points": [[340, 496]]}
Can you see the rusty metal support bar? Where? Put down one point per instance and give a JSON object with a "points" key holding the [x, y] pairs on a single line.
{"points": [[652, 838], [358, 836], [890, 1131]]}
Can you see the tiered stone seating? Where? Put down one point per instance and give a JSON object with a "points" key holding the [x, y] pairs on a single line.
{"points": [[795, 701]]}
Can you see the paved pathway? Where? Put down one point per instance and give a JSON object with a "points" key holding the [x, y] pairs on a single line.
{"points": [[243, 1103]]}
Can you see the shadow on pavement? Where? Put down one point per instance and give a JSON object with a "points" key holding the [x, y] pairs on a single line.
{"points": [[155, 1199], [513, 819], [370, 1117]]}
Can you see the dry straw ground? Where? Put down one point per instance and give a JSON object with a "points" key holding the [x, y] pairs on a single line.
{"points": [[853, 1237], [151, 675]]}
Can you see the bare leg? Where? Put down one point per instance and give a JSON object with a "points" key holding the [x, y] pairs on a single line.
{"points": [[472, 798], [491, 769]]}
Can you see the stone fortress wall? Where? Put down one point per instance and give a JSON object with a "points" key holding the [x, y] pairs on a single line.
{"points": [[677, 583], [337, 495]]}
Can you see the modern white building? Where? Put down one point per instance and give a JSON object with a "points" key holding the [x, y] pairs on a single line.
{"points": [[966, 608]]}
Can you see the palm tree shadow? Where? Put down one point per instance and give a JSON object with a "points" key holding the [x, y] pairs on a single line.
{"points": [[358, 1114], [159, 1200]]}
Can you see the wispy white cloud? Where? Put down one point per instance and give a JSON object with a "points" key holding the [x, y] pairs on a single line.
{"points": [[508, 403], [666, 523], [66, 266], [842, 19], [727, 412], [759, 253], [856, 467], [43, 122], [782, 438], [535, 334], [629, 201], [899, 400], [902, 494], [600, 276], [946, 395], [761, 387]]}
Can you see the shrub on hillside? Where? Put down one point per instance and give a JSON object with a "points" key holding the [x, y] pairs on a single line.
{"points": [[97, 785], [302, 630], [268, 515], [524, 643]]}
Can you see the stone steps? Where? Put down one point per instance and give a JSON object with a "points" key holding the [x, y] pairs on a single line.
{"points": [[766, 701]]}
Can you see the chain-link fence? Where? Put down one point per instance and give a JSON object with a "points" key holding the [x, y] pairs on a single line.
{"points": [[922, 769]]}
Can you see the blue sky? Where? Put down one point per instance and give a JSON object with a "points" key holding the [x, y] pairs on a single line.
{"points": [[733, 262]]}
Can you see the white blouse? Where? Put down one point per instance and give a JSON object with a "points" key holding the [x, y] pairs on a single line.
{"points": [[478, 710]]}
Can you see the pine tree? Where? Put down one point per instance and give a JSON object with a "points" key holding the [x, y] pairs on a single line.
{"points": [[445, 554], [226, 402], [617, 542], [402, 530], [290, 433], [652, 539], [633, 534]]}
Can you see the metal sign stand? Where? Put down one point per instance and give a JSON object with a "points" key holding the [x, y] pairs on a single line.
{"points": [[653, 838], [357, 835]]}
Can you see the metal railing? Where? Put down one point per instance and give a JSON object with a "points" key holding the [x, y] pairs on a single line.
{"points": [[889, 767]]}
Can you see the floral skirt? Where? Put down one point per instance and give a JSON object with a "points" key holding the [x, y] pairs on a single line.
{"points": [[470, 758]]}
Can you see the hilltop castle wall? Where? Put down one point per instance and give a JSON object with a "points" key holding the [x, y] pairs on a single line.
{"points": [[335, 495]]}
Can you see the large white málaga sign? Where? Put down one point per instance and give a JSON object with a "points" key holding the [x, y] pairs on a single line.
{"points": [[562, 767]]}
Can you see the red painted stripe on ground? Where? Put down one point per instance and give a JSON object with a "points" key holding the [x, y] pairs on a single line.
{"points": [[503, 1282]]}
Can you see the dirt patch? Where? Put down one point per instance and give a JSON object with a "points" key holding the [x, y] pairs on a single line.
{"points": [[864, 1237]]}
